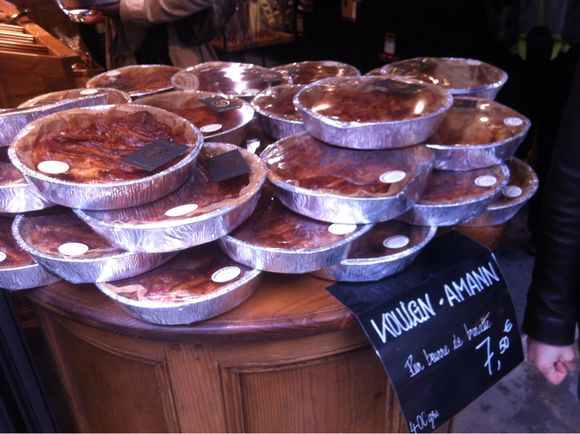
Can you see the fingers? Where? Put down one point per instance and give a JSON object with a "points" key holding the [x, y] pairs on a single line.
{"points": [[93, 17], [554, 362], [553, 374]]}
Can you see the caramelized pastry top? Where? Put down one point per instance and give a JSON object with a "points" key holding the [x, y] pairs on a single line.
{"points": [[451, 73], [275, 226], [94, 152], [311, 70], [444, 187], [277, 101], [473, 121], [47, 231], [136, 79], [185, 278], [303, 161], [13, 255]]}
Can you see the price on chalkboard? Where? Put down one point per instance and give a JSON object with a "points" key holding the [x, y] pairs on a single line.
{"points": [[445, 328]]}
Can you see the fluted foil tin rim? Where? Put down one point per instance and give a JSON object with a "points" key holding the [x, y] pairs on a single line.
{"points": [[301, 190], [481, 146], [280, 260], [81, 98], [192, 69], [271, 115], [460, 91], [500, 214], [248, 278], [189, 220], [247, 112], [280, 68], [419, 214], [87, 275], [395, 256], [344, 270], [50, 184], [18, 198], [356, 124], [355, 210], [523, 198], [135, 94], [34, 275]]}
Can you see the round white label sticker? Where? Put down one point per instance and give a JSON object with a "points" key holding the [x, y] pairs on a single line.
{"points": [[473, 62], [53, 167], [89, 91], [392, 176], [485, 181], [396, 242], [512, 191], [211, 128], [181, 210], [341, 229], [73, 249], [513, 122], [225, 274], [2, 256]]}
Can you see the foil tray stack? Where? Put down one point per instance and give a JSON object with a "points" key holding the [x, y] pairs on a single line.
{"points": [[363, 172]]}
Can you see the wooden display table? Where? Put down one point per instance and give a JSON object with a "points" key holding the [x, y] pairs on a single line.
{"points": [[289, 359]]}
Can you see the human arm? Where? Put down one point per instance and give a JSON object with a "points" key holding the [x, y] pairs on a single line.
{"points": [[148, 12], [553, 303]]}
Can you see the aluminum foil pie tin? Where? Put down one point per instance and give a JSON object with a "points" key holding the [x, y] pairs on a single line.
{"points": [[198, 284], [17, 268], [219, 117], [200, 211], [78, 98], [371, 112], [12, 121], [477, 133], [386, 249], [522, 186], [242, 80], [68, 248], [339, 185], [278, 240], [309, 71], [460, 76], [90, 192], [278, 116], [16, 194], [136, 80], [451, 198]]}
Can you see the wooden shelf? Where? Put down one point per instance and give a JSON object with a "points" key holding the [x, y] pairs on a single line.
{"points": [[266, 41]]}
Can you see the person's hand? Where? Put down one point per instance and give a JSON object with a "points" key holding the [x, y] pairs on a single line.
{"points": [[554, 362], [99, 13], [93, 17]]}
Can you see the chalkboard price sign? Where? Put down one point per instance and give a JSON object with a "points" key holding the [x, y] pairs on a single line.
{"points": [[445, 329]]}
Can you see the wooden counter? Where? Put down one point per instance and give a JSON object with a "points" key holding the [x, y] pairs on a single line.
{"points": [[290, 359]]}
